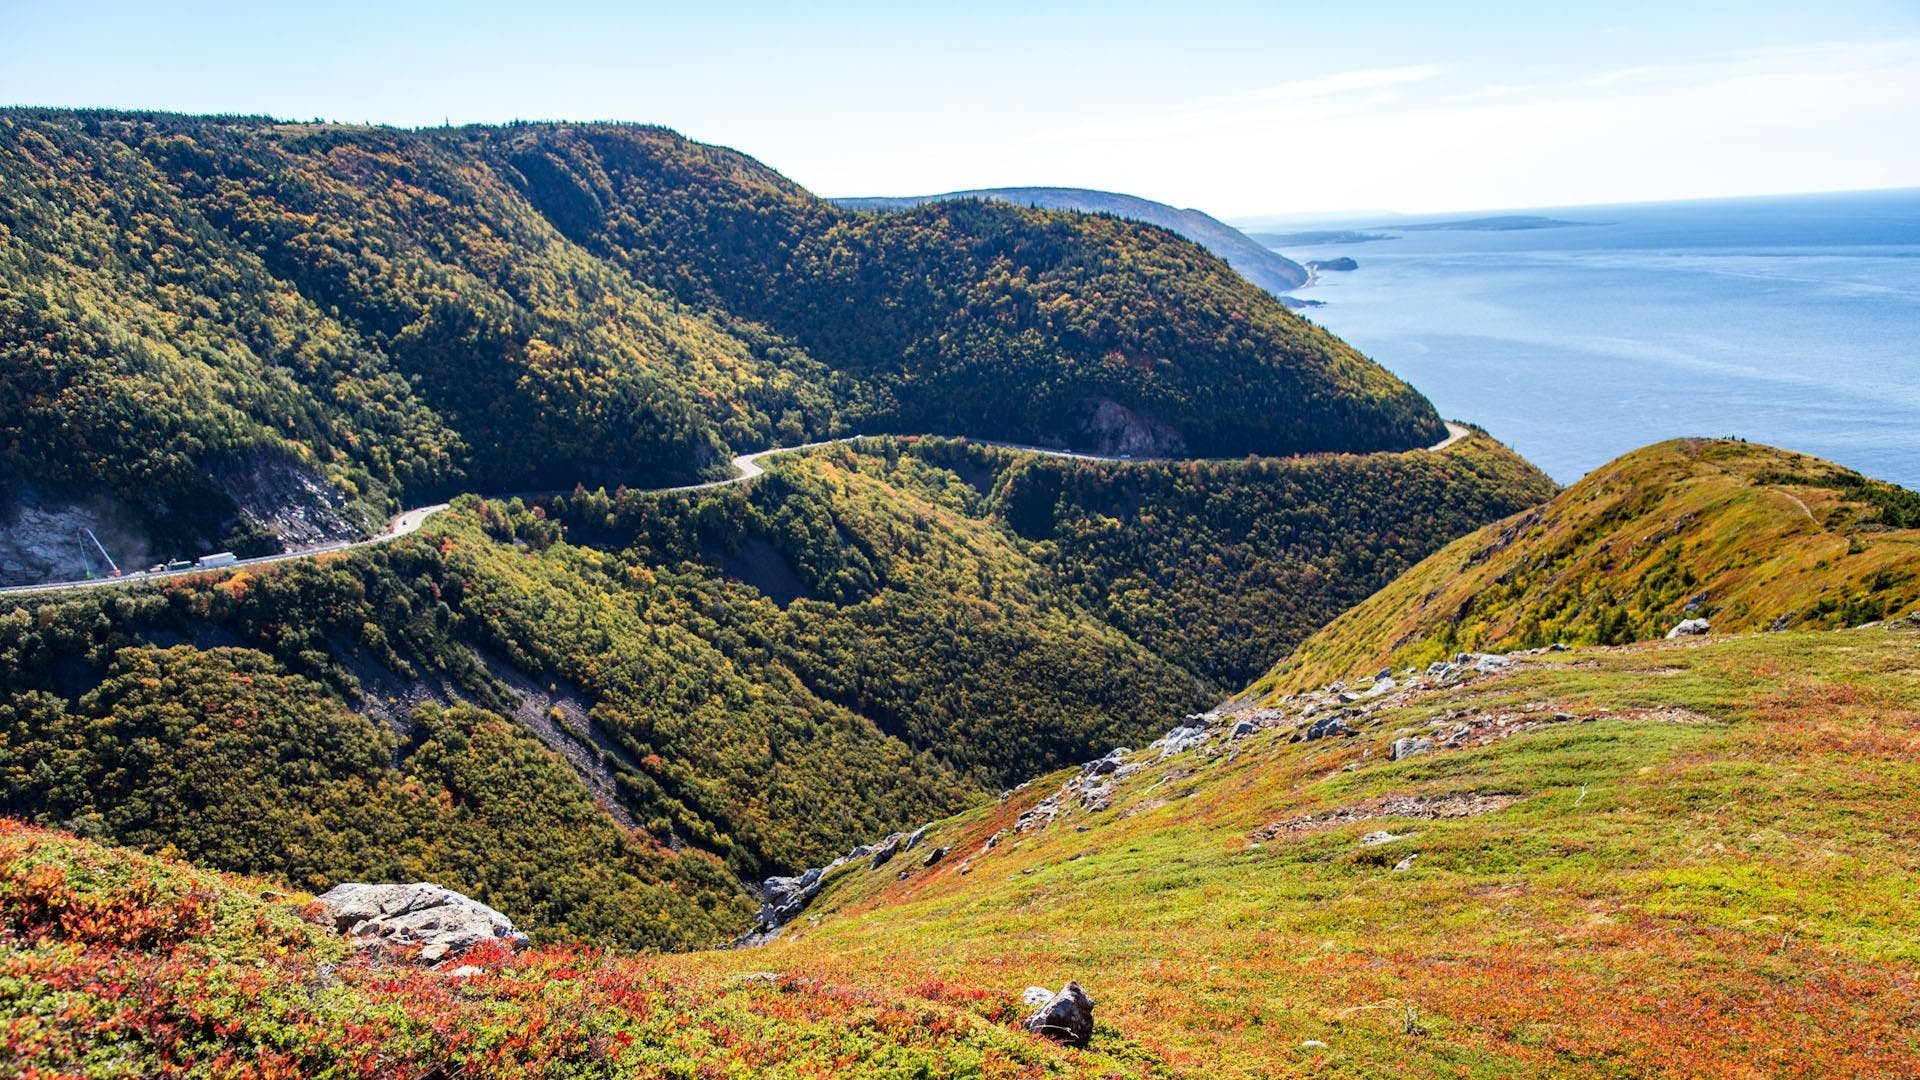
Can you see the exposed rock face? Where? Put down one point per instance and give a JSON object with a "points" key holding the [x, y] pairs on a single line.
{"points": [[41, 538], [1117, 429], [430, 922], [1690, 628], [1066, 1018], [289, 499]]}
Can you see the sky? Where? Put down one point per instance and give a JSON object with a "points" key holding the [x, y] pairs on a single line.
{"points": [[1245, 110]]}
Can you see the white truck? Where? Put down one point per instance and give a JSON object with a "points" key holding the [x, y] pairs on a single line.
{"points": [[219, 558]]}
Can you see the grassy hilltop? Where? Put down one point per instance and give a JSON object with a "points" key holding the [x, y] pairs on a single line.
{"points": [[1749, 537]]}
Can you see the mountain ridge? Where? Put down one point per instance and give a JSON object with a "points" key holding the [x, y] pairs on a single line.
{"points": [[1266, 268]]}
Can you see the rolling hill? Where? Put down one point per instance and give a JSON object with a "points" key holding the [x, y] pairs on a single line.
{"points": [[1746, 536]]}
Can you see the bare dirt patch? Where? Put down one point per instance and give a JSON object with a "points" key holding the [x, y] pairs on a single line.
{"points": [[1457, 804]]}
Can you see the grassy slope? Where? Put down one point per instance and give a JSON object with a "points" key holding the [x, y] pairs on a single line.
{"points": [[1707, 873], [1712, 877], [1759, 534]]}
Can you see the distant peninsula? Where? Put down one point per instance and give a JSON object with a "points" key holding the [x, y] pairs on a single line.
{"points": [[1251, 259], [1505, 223]]}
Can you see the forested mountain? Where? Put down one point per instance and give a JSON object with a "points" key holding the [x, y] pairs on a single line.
{"points": [[1254, 261], [233, 331], [1748, 537], [727, 682]]}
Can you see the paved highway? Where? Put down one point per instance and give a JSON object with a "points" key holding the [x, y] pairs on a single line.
{"points": [[745, 467]]}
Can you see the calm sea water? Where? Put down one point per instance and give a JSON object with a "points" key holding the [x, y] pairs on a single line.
{"points": [[1792, 321]]}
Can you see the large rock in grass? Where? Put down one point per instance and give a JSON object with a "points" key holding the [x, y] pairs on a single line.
{"points": [[1067, 1017], [424, 922]]}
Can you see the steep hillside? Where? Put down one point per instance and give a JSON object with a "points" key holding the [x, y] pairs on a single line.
{"points": [[1682, 859], [1747, 537], [235, 332], [857, 641], [1268, 269]]}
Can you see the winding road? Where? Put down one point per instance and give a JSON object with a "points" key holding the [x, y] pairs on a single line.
{"points": [[745, 467]]}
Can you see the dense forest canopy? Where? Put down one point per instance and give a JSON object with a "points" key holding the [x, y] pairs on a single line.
{"points": [[222, 323]]}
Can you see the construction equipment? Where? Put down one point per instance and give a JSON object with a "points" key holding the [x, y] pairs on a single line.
{"points": [[115, 567]]}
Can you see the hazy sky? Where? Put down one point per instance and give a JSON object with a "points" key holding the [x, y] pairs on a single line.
{"points": [[1240, 109]]}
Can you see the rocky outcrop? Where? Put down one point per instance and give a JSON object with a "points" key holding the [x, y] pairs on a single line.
{"points": [[782, 898], [421, 922], [1066, 1018]]}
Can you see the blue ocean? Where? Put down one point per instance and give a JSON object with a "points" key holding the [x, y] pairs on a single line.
{"points": [[1793, 321]]}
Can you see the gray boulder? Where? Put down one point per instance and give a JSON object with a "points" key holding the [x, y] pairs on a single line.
{"points": [[1408, 747], [1690, 628], [884, 853], [1067, 1017], [1328, 728], [431, 922]]}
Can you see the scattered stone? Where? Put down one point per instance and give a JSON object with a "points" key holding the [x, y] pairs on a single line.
{"points": [[933, 855], [1490, 663], [1313, 1044], [1408, 747], [913, 841], [1327, 728], [1406, 863], [1423, 807], [466, 971], [1036, 995], [1689, 628], [1180, 739], [1374, 839], [884, 854], [1244, 728], [1558, 646], [1066, 1018], [427, 920]]}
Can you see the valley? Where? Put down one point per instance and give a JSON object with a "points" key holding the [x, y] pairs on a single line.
{"points": [[1201, 704]]}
